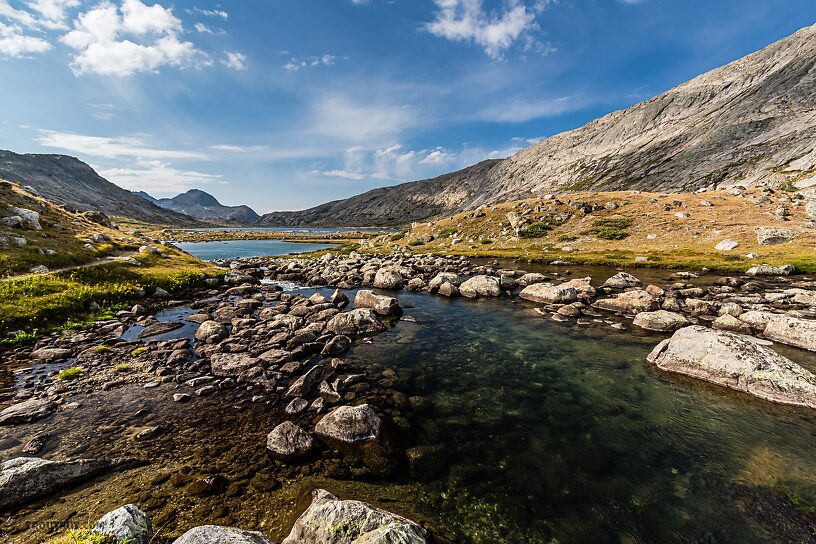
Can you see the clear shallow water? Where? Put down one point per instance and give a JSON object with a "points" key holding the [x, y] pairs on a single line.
{"points": [[247, 248], [544, 433]]}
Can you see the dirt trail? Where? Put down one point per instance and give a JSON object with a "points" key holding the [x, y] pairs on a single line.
{"points": [[102, 260]]}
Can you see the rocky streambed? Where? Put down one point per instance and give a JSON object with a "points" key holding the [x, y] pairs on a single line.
{"points": [[529, 413]]}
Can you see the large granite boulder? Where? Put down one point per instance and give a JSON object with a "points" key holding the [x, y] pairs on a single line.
{"points": [[444, 277], [383, 305], [329, 520], [768, 270], [24, 479], [357, 431], [480, 286], [629, 302], [211, 332], [357, 322], [792, 331], [737, 361], [27, 411], [660, 321], [622, 280], [549, 294], [288, 441], [769, 236], [387, 278], [127, 523], [215, 534]]}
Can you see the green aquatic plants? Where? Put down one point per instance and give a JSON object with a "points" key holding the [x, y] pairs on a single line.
{"points": [[70, 373]]}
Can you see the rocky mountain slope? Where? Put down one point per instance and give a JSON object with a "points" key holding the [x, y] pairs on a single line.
{"points": [[751, 122], [70, 182], [201, 205]]}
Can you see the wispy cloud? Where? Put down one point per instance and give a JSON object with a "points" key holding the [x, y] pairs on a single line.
{"points": [[296, 64], [156, 177], [519, 110], [219, 13], [111, 147], [234, 60], [342, 120], [15, 44], [229, 148]]}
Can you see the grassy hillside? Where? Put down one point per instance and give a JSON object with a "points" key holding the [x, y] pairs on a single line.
{"points": [[626, 228]]}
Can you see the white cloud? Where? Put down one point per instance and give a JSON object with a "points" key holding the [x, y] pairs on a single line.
{"points": [[229, 148], [53, 13], [133, 38], [467, 21], [17, 16], [342, 174], [350, 123], [234, 60], [519, 110], [296, 64], [220, 13], [111, 148], [201, 28], [15, 44], [156, 177]]}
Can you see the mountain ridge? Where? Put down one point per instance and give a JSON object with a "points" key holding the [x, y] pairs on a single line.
{"points": [[202, 205], [749, 122]]}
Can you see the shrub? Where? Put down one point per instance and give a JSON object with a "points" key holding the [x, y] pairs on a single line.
{"points": [[122, 367], [536, 230], [610, 228], [70, 373], [102, 349], [485, 241], [19, 339], [138, 351], [415, 242], [447, 232], [567, 238]]}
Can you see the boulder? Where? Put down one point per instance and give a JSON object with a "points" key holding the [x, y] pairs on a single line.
{"points": [[768, 270], [383, 305], [532, 278], [51, 354], [549, 294], [27, 411], [98, 217], [480, 286], [622, 280], [337, 346], [792, 331], [24, 479], [416, 284], [127, 523], [31, 219], [660, 320], [339, 298], [631, 302], [769, 236], [216, 534], [329, 520], [359, 321], [444, 277], [728, 322], [737, 361], [448, 289], [388, 279], [288, 441], [211, 332], [357, 431], [757, 319], [726, 245]]}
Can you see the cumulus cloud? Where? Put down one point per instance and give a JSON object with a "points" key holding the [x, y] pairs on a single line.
{"points": [[156, 177], [53, 13], [14, 43], [129, 39], [467, 21], [111, 147], [234, 60]]}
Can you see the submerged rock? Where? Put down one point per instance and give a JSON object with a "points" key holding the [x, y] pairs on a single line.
{"points": [[357, 430], [27, 412], [24, 479], [736, 361], [126, 523], [215, 534], [329, 520], [288, 441]]}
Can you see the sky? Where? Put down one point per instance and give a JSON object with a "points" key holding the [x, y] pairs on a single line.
{"points": [[286, 104]]}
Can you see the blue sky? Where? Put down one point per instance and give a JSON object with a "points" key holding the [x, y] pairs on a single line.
{"points": [[284, 104]]}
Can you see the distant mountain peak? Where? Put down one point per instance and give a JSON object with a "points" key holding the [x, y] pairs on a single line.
{"points": [[202, 205]]}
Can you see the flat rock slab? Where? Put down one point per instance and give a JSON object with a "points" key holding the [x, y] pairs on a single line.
{"points": [[160, 328], [27, 412], [736, 361], [800, 333], [660, 320], [358, 523], [24, 479], [549, 294]]}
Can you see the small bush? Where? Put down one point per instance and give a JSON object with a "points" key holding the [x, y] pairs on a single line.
{"points": [[447, 232], [567, 238], [86, 536], [610, 228], [19, 339], [415, 242], [102, 349], [122, 367], [138, 351], [485, 241], [536, 230], [609, 233], [397, 237], [70, 374]]}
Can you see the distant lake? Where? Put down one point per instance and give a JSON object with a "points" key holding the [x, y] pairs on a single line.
{"points": [[301, 230], [246, 248]]}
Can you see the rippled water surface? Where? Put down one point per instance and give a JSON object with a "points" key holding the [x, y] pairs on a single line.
{"points": [[247, 248], [538, 432]]}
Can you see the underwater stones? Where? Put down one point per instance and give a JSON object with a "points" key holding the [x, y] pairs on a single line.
{"points": [[211, 332], [288, 441], [660, 321], [27, 411], [215, 534], [359, 321], [549, 294], [26, 478], [388, 279], [127, 523], [384, 306], [633, 302], [792, 331], [736, 361], [425, 462], [622, 280], [361, 523], [480, 286], [357, 431]]}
